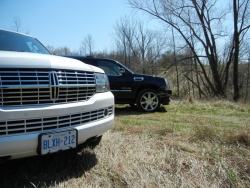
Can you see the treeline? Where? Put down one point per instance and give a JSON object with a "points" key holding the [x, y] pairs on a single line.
{"points": [[184, 75], [203, 48]]}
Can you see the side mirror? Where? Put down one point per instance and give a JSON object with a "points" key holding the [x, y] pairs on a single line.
{"points": [[122, 71]]}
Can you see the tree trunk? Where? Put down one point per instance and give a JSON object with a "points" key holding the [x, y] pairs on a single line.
{"points": [[236, 53]]}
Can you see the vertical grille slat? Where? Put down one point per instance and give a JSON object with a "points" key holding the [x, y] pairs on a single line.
{"points": [[32, 87]]}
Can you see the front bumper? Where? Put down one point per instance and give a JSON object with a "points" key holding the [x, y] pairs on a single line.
{"points": [[26, 144], [165, 96]]}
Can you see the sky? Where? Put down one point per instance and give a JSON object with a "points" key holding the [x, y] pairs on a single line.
{"points": [[61, 23]]}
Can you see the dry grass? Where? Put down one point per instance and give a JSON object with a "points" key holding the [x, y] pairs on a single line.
{"points": [[198, 144]]}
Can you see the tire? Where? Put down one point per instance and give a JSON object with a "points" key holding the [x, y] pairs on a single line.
{"points": [[148, 100]]}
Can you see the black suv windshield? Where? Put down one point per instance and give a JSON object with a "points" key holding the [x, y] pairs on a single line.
{"points": [[11, 41]]}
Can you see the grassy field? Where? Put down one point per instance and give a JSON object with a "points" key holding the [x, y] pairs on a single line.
{"points": [[191, 144]]}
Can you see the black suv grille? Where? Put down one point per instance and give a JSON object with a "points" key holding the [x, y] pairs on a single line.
{"points": [[27, 87]]}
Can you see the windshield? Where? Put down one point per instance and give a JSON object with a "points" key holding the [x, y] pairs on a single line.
{"points": [[11, 41]]}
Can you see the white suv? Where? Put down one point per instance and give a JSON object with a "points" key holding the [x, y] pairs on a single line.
{"points": [[48, 103]]}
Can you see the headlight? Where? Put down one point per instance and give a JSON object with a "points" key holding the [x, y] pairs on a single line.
{"points": [[167, 84], [102, 83]]}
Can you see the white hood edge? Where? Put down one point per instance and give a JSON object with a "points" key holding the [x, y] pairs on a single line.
{"points": [[42, 61]]}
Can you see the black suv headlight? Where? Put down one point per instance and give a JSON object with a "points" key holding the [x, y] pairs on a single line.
{"points": [[102, 83], [167, 84]]}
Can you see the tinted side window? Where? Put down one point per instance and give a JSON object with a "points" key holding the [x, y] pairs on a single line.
{"points": [[109, 67]]}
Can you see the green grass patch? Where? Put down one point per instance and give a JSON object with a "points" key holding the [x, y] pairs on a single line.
{"points": [[219, 121], [192, 144]]}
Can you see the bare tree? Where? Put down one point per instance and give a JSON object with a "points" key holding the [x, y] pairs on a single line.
{"points": [[241, 15], [87, 45], [124, 36], [141, 47], [59, 51], [201, 21], [18, 26]]}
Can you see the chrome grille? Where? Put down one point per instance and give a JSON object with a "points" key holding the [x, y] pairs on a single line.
{"points": [[26, 87], [49, 123]]}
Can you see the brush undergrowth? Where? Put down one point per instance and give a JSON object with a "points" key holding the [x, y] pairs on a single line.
{"points": [[193, 144]]}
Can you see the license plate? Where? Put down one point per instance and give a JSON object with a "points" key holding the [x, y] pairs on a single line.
{"points": [[54, 142]]}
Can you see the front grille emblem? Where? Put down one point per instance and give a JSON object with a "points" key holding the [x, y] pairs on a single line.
{"points": [[53, 85]]}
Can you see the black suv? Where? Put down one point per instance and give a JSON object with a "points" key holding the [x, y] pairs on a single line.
{"points": [[144, 91]]}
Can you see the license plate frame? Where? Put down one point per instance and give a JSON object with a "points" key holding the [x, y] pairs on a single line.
{"points": [[53, 142]]}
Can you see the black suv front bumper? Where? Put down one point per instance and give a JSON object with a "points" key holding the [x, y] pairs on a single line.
{"points": [[165, 96]]}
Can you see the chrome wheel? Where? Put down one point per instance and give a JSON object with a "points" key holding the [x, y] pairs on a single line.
{"points": [[148, 100]]}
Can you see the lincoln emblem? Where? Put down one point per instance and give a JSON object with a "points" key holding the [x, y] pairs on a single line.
{"points": [[53, 85]]}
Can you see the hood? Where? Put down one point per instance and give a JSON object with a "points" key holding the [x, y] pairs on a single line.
{"points": [[42, 61]]}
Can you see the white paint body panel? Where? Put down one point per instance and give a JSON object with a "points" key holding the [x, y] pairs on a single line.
{"points": [[24, 145]]}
